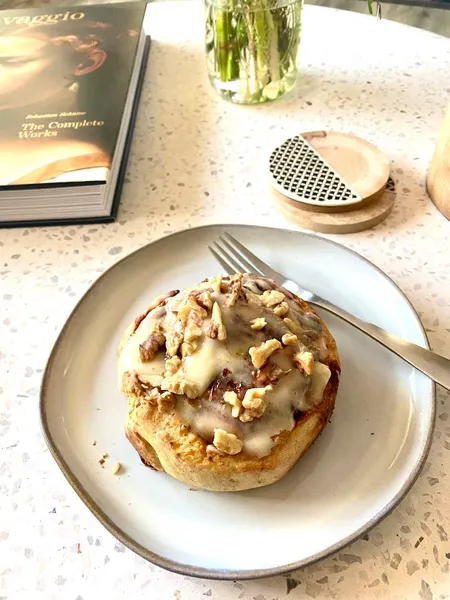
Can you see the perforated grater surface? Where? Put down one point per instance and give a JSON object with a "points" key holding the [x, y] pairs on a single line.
{"points": [[299, 172], [328, 171]]}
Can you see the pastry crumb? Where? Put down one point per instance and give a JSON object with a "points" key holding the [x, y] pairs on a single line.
{"points": [[117, 467], [102, 460], [94, 443]]}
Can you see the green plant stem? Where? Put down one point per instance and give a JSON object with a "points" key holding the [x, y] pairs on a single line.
{"points": [[222, 19], [233, 53], [227, 47], [255, 45], [250, 67], [273, 50], [261, 46]]}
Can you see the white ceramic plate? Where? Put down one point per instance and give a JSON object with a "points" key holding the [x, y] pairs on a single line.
{"points": [[355, 473]]}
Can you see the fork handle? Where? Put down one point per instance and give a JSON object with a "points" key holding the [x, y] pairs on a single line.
{"points": [[436, 367]]}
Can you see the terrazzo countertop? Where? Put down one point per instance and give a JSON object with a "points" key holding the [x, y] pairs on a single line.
{"points": [[198, 160]]}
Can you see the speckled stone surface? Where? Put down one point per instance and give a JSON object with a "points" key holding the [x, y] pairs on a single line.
{"points": [[198, 160]]}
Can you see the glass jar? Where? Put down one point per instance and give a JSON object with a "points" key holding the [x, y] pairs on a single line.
{"points": [[251, 47]]}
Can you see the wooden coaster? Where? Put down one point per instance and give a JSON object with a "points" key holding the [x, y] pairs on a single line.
{"points": [[321, 175], [351, 221]]}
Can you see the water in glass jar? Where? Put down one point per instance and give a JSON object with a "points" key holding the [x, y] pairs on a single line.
{"points": [[251, 47]]}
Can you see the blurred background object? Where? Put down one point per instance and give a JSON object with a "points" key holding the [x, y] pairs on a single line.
{"points": [[433, 15]]}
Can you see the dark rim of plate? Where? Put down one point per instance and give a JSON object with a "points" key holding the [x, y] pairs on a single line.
{"points": [[225, 574]]}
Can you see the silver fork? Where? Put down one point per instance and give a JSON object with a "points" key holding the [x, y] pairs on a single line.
{"points": [[236, 258]]}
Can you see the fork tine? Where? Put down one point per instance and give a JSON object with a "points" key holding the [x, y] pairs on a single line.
{"points": [[247, 266], [227, 257], [226, 266], [256, 263]]}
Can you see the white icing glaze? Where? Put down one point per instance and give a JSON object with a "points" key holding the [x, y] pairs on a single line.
{"points": [[129, 359], [216, 366], [208, 362], [320, 377]]}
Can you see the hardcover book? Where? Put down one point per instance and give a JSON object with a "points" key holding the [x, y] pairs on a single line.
{"points": [[69, 83]]}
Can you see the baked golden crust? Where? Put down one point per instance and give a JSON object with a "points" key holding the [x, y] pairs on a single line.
{"points": [[167, 443]]}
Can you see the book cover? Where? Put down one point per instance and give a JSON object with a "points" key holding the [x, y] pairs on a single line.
{"points": [[64, 77]]}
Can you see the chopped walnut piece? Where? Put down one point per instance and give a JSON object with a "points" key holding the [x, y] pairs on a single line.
{"points": [[234, 289], [131, 383], [216, 284], [281, 309], [254, 404], [192, 331], [152, 396], [172, 365], [195, 306], [183, 314], [232, 399], [179, 387], [188, 348], [252, 298], [166, 401], [216, 329], [253, 395], [289, 339], [258, 324], [271, 298], [173, 341], [151, 380], [293, 326], [246, 416], [196, 318], [260, 354], [304, 361], [205, 300], [227, 442], [152, 344]]}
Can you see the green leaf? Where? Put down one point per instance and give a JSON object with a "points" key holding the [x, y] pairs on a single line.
{"points": [[369, 6]]}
